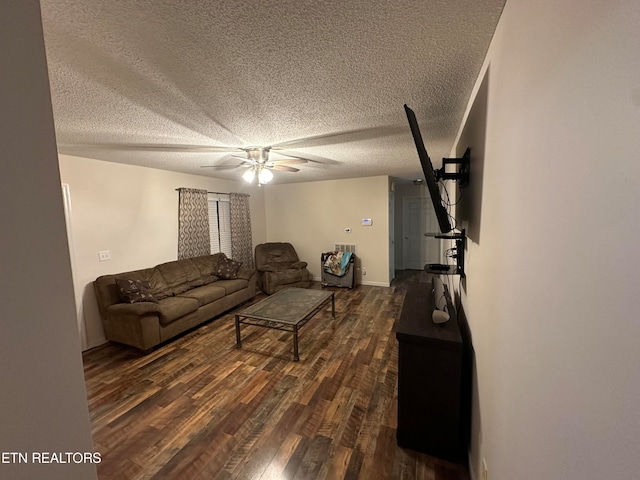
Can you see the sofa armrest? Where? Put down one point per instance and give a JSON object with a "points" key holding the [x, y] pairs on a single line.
{"points": [[135, 324], [246, 273], [299, 265]]}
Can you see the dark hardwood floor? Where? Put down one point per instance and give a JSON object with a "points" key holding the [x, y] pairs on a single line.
{"points": [[198, 408]]}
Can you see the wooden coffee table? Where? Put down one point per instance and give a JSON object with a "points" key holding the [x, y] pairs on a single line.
{"points": [[288, 310]]}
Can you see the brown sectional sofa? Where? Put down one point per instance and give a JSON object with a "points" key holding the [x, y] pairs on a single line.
{"points": [[183, 294]]}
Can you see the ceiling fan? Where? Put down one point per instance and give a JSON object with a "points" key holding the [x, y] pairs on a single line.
{"points": [[258, 164]]}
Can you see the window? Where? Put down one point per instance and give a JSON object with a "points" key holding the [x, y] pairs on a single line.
{"points": [[220, 223]]}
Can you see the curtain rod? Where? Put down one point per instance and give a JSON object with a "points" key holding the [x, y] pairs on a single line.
{"points": [[216, 193]]}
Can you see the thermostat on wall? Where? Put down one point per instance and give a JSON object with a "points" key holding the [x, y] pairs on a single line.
{"points": [[367, 222]]}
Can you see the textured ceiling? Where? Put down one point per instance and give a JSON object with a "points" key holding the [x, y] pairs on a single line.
{"points": [[326, 79]]}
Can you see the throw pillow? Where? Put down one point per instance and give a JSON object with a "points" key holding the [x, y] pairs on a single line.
{"points": [[227, 269], [134, 291]]}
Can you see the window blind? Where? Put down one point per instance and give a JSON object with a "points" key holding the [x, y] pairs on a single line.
{"points": [[220, 223]]}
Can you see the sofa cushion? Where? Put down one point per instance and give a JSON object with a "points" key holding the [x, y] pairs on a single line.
{"points": [[173, 308], [175, 276], [117, 310], [206, 265], [231, 286], [287, 276], [157, 285], [134, 291], [193, 274], [227, 268], [206, 293]]}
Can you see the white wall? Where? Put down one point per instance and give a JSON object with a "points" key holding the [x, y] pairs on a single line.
{"points": [[43, 406], [132, 212], [552, 258], [312, 216]]}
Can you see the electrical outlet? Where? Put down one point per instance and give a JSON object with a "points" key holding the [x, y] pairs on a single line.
{"points": [[485, 471], [104, 255], [364, 271]]}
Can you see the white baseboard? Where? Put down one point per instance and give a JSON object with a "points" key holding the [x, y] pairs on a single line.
{"points": [[96, 343], [376, 284]]}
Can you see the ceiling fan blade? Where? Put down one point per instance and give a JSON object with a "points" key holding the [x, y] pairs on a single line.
{"points": [[223, 164], [220, 149], [221, 167], [247, 160], [297, 161], [343, 137], [284, 168], [306, 156], [226, 158]]}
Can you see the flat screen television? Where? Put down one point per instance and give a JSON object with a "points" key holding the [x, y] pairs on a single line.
{"points": [[430, 178]]}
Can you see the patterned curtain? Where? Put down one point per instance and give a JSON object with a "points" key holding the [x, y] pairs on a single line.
{"points": [[241, 244], [193, 223]]}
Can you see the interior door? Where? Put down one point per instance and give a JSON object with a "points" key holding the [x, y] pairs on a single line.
{"points": [[66, 195], [392, 266], [418, 219]]}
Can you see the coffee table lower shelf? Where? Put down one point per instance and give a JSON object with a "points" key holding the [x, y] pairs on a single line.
{"points": [[287, 310]]}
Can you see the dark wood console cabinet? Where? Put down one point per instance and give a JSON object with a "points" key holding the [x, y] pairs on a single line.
{"points": [[432, 406]]}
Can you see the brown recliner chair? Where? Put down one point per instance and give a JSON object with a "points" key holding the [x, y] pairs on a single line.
{"points": [[279, 267]]}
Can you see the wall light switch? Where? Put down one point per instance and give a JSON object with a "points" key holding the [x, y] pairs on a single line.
{"points": [[104, 255], [367, 222]]}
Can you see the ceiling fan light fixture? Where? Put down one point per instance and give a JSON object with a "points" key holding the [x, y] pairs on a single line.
{"points": [[249, 175], [264, 176]]}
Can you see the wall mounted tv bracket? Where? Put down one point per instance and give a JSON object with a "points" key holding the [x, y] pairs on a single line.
{"points": [[460, 239], [462, 175]]}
